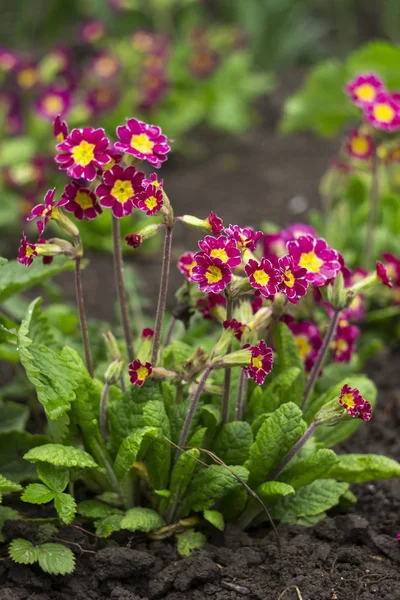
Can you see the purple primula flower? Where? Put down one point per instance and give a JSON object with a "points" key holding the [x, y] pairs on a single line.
{"points": [[294, 282], [8, 60], [215, 223], [211, 278], [356, 406], [384, 112], [153, 180], [92, 31], [186, 264], [60, 129], [222, 251], [237, 327], [119, 189], [83, 152], [208, 306], [314, 255], [101, 99], [260, 362], [345, 341], [263, 276], [245, 238], [53, 103], [150, 200], [364, 89], [105, 65], [308, 340], [359, 145], [145, 142], [383, 275], [81, 201], [26, 252], [43, 212]]}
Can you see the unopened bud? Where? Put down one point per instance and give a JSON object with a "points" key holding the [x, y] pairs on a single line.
{"points": [[330, 414], [112, 346], [64, 222], [240, 358], [114, 372], [136, 239], [337, 294]]}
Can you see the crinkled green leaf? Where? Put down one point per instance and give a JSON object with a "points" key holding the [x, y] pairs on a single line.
{"points": [[13, 416], [190, 540], [56, 559], [37, 493], [158, 456], [258, 421], [283, 388], [182, 473], [8, 486], [55, 478], [306, 470], [176, 354], [210, 484], [215, 518], [8, 336], [142, 519], [133, 449], [65, 507], [23, 552], [94, 509], [177, 414], [232, 443], [357, 468], [274, 440], [105, 527], [197, 439], [233, 504], [270, 490], [13, 446], [61, 456], [210, 415]]}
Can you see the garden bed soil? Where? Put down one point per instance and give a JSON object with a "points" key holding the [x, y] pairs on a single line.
{"points": [[350, 555]]}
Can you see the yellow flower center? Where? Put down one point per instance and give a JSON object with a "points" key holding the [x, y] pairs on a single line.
{"points": [[191, 267], [106, 66], [359, 145], [348, 400], [142, 373], [27, 78], [356, 303], [256, 362], [142, 143], [342, 346], [83, 154], [109, 165], [151, 202], [29, 251], [384, 112], [84, 200], [219, 253], [213, 274], [46, 211], [365, 92], [122, 191], [261, 277], [288, 278], [303, 345], [60, 137], [310, 261], [53, 104], [391, 271]]}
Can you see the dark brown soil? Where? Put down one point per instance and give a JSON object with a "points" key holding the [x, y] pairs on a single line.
{"points": [[348, 556]]}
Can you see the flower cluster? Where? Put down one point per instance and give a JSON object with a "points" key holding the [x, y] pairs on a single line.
{"points": [[380, 107]]}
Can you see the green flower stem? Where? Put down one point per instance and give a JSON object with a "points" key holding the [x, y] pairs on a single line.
{"points": [[227, 376], [296, 448], [103, 412], [170, 330], [108, 467], [373, 208], [122, 295], [162, 297], [191, 411], [322, 354], [82, 316], [241, 397]]}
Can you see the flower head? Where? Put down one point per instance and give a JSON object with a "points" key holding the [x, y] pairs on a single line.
{"points": [[392, 264], [43, 212], [150, 200], [105, 65], [101, 99], [186, 264], [138, 372], [60, 129], [119, 189], [356, 406], [314, 255], [221, 250], [308, 340], [216, 223], [114, 157], [153, 180], [359, 145], [133, 240], [8, 60], [345, 341], [145, 142], [260, 362], [208, 306], [92, 31], [27, 251], [274, 245], [245, 238], [210, 276], [147, 333], [383, 275], [237, 327], [293, 279], [263, 276], [81, 201], [364, 89], [83, 152], [384, 112], [52, 103]]}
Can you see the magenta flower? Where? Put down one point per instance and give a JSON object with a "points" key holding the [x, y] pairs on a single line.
{"points": [[153, 180], [83, 152], [81, 201], [359, 145], [114, 157], [27, 75], [145, 142], [293, 280], [60, 129], [26, 252], [345, 341], [356, 406], [308, 340], [43, 212], [384, 113], [293, 232], [356, 310], [119, 189], [133, 240], [382, 274], [314, 255], [210, 277], [101, 99], [245, 238], [105, 65], [215, 223], [186, 264], [392, 264], [92, 31], [257, 302], [53, 103], [364, 89], [237, 327], [138, 372], [274, 245], [8, 60], [221, 251], [147, 333], [150, 200], [263, 276], [208, 305], [260, 362]]}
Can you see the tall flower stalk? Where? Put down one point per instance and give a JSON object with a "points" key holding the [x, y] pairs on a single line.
{"points": [[228, 373], [373, 208], [82, 316], [162, 296], [122, 295]]}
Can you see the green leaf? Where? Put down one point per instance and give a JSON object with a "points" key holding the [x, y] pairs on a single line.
{"points": [[182, 473], [23, 552], [233, 442], [105, 527], [158, 457], [133, 449], [142, 519], [177, 414], [13, 446], [36, 493], [61, 456], [13, 417], [16, 278], [215, 518], [8, 486], [210, 484], [176, 354], [304, 471], [285, 386], [56, 559], [65, 507], [258, 421], [55, 478], [8, 514], [190, 540], [210, 415], [271, 490], [357, 468], [275, 439], [94, 509]]}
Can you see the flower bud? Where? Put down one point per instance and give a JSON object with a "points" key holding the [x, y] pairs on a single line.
{"points": [[240, 358], [114, 372], [64, 222], [136, 239], [330, 414], [337, 294], [112, 346], [239, 286]]}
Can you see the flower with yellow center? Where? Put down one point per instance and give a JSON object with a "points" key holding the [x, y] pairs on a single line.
{"points": [[142, 143], [53, 104], [151, 202], [311, 262], [383, 112], [360, 145], [219, 253], [303, 345], [213, 274], [142, 373], [83, 153], [256, 362], [84, 200], [122, 191], [261, 277], [288, 278], [365, 92], [27, 78]]}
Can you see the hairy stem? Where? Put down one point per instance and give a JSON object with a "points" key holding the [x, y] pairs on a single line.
{"points": [[103, 412], [296, 448], [226, 400], [323, 351], [108, 467], [162, 297], [82, 316], [122, 295], [170, 329], [373, 207], [241, 397]]}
